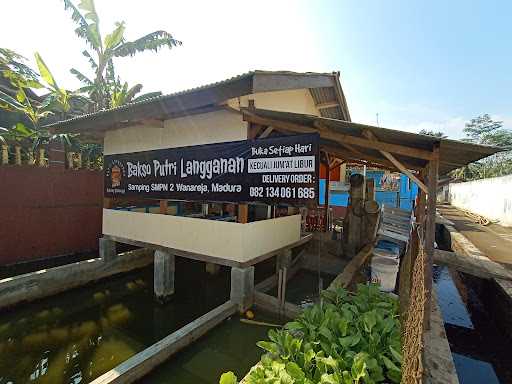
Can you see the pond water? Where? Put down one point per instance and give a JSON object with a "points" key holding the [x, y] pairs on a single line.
{"points": [[76, 336], [480, 351], [231, 346], [303, 288]]}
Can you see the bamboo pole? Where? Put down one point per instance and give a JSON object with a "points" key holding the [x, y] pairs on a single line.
{"points": [[17, 154], [5, 154], [30, 157], [40, 158]]}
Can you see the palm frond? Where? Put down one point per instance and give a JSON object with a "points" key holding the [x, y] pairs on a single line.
{"points": [[91, 60], [88, 32], [45, 72], [152, 41], [80, 76], [113, 39], [110, 74], [15, 62], [10, 103], [89, 89]]}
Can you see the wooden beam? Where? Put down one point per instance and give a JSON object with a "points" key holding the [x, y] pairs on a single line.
{"points": [[384, 164], [328, 134], [266, 132], [430, 230], [330, 104], [366, 143], [358, 155], [396, 163], [479, 267], [345, 278], [243, 213]]}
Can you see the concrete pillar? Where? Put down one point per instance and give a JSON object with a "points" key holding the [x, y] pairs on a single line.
{"points": [[107, 249], [283, 260], [242, 287], [164, 275]]}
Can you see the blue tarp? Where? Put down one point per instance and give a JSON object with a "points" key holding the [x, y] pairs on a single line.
{"points": [[403, 198]]}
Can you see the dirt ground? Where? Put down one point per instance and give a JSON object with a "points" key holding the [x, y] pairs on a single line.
{"points": [[494, 240]]}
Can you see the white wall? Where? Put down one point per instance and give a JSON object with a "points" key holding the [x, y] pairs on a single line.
{"points": [[491, 198], [225, 240], [295, 100], [206, 128]]}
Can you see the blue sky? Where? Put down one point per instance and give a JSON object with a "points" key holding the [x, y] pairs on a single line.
{"points": [[426, 64], [418, 64]]}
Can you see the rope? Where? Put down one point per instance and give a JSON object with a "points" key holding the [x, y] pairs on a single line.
{"points": [[412, 336]]}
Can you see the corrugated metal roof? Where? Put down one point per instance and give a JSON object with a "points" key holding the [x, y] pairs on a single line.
{"points": [[152, 100], [453, 154], [166, 106], [326, 95], [323, 95]]}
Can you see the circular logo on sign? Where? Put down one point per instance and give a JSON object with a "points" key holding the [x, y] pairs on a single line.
{"points": [[116, 173]]}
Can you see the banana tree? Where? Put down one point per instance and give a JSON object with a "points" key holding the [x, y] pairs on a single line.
{"points": [[107, 48], [57, 101]]}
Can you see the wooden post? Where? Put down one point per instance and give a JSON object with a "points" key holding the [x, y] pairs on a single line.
{"points": [[370, 189], [326, 195], [243, 213], [108, 202], [79, 160], [163, 207], [430, 230], [343, 172]]}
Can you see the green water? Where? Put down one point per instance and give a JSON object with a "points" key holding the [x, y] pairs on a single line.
{"points": [[77, 336], [231, 346], [303, 288]]}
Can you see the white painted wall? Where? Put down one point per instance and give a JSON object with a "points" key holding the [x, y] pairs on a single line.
{"points": [[206, 128], [225, 240], [295, 100], [491, 198]]}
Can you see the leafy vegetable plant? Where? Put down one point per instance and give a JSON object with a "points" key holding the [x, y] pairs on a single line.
{"points": [[346, 338]]}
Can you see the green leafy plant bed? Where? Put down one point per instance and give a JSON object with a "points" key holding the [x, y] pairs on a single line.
{"points": [[347, 338]]}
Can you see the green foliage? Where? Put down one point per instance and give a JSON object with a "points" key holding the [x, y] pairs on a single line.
{"points": [[345, 339], [228, 378], [484, 130], [430, 132], [106, 90]]}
